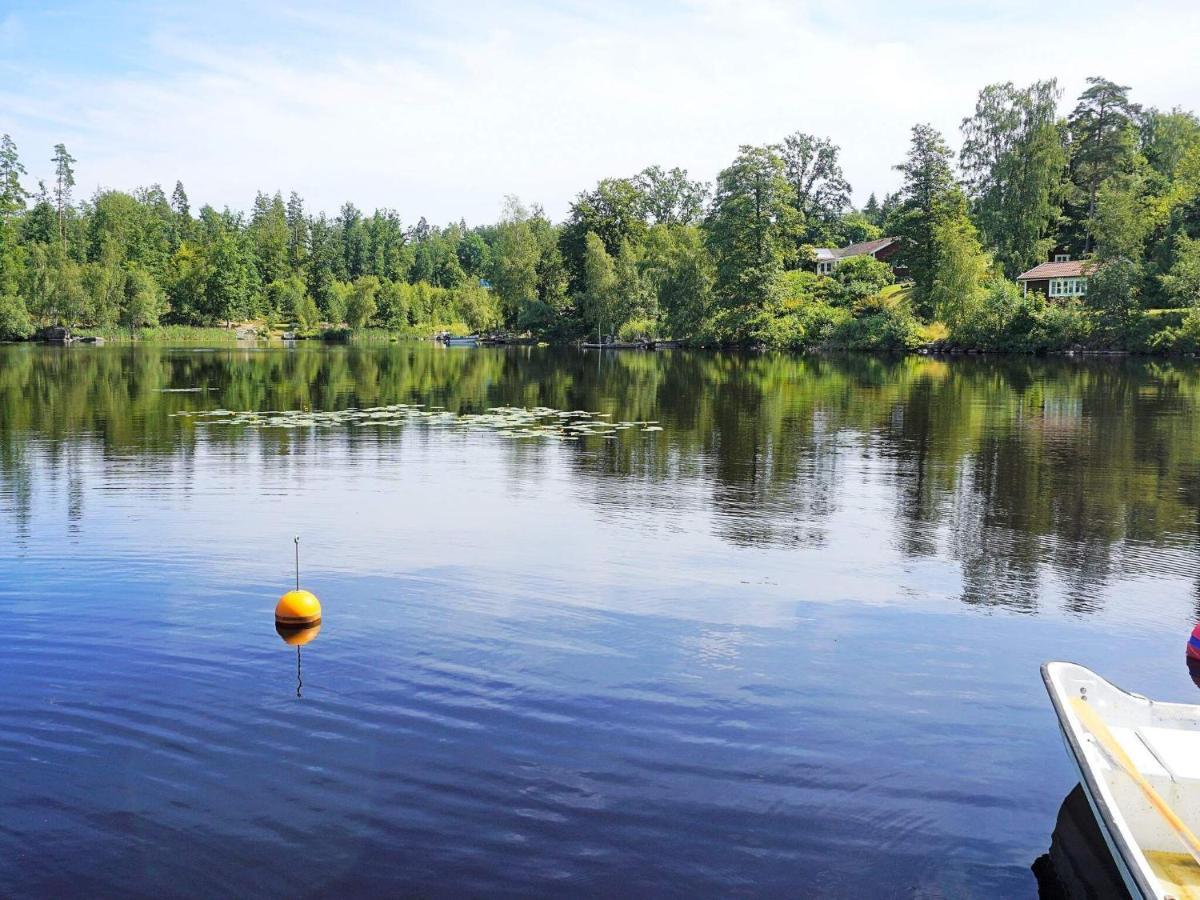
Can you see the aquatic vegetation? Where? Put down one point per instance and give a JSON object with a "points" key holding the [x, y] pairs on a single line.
{"points": [[503, 421]]}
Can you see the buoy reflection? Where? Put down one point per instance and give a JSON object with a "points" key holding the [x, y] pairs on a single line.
{"points": [[298, 637]]}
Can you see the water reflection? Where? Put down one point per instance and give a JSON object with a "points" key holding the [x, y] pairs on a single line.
{"points": [[298, 637], [1078, 865], [1016, 470]]}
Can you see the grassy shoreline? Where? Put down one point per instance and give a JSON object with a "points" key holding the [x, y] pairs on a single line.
{"points": [[188, 335]]}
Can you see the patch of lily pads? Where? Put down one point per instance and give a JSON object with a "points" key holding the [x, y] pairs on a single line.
{"points": [[504, 421]]}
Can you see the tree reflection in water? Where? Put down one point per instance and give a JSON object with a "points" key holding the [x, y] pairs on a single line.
{"points": [[1017, 469]]}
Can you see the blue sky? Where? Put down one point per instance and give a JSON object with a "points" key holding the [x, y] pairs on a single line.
{"points": [[442, 109]]}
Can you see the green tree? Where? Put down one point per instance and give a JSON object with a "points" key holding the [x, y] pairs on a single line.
{"points": [[960, 266], [873, 211], [230, 288], [1103, 140], [820, 191], [1168, 138], [679, 270], [324, 253], [53, 285], [856, 227], [1014, 163], [269, 235], [14, 317], [550, 313], [635, 300], [394, 304], [297, 226], [751, 235], [104, 287], [144, 300], [1114, 291], [339, 299], [182, 224], [186, 278], [515, 257], [12, 194], [354, 242], [64, 183], [927, 189], [435, 259], [860, 277], [670, 197], [1182, 283], [600, 287], [290, 296], [615, 211], [389, 253], [360, 302], [119, 229], [1124, 218], [474, 255]]}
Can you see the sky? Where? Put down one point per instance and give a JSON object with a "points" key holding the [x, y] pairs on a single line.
{"points": [[442, 109]]}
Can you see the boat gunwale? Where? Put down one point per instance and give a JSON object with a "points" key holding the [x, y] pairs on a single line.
{"points": [[1101, 809]]}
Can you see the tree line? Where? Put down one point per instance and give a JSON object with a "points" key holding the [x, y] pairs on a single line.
{"points": [[662, 254]]}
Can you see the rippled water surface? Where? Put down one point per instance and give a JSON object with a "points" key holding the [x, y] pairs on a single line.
{"points": [[774, 631]]}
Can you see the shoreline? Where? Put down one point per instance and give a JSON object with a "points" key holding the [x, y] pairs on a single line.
{"points": [[233, 337]]}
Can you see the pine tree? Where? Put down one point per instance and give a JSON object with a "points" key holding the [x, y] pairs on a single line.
{"points": [[64, 183], [298, 233], [12, 194], [1103, 144], [928, 184]]}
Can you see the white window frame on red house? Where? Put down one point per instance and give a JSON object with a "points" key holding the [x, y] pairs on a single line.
{"points": [[1067, 287]]}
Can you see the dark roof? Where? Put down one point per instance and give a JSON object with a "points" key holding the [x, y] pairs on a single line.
{"points": [[1070, 269], [862, 249]]}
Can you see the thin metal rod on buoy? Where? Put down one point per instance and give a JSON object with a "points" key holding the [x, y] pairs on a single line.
{"points": [[297, 539]]}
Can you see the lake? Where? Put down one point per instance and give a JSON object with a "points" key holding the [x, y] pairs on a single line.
{"points": [[668, 624]]}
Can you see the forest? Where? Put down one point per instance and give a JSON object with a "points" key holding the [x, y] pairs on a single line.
{"points": [[660, 254]]}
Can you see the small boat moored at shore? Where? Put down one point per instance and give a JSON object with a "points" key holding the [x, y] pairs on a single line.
{"points": [[1139, 765], [616, 345], [452, 340]]}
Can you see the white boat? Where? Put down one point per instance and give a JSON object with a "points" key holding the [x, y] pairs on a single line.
{"points": [[1139, 765]]}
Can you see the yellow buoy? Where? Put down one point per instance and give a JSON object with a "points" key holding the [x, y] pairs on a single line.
{"points": [[298, 609]]}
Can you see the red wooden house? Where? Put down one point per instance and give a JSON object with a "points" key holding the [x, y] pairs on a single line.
{"points": [[882, 249]]}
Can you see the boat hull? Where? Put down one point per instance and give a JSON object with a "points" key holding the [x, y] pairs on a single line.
{"points": [[1099, 813], [1160, 743]]}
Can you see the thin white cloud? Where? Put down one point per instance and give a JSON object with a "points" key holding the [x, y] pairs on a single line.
{"points": [[442, 114]]}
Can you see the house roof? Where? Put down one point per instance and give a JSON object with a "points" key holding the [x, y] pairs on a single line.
{"points": [[1070, 269], [864, 248], [861, 249]]}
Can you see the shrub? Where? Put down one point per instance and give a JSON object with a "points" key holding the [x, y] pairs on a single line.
{"points": [[1183, 338], [860, 277], [638, 329], [1005, 319], [1114, 291], [887, 327]]}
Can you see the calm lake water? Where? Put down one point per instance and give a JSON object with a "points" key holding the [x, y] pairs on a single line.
{"points": [[786, 645]]}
